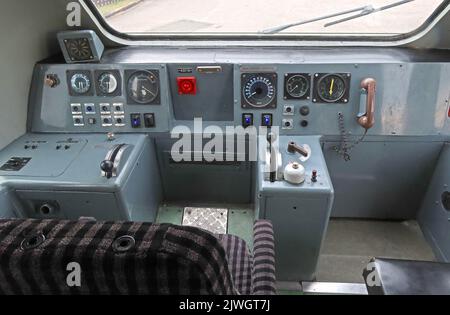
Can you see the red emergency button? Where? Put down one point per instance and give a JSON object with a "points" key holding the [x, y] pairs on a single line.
{"points": [[187, 85]]}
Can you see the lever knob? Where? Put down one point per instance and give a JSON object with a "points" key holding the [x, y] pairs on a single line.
{"points": [[107, 167], [293, 148]]}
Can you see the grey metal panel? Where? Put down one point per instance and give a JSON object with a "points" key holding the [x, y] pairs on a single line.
{"points": [[50, 109], [383, 180], [72, 204], [433, 218], [214, 98], [142, 191], [134, 54], [6, 206], [202, 181], [412, 93], [134, 194], [411, 99], [300, 213]]}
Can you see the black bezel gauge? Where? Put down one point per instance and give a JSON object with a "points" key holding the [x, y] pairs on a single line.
{"points": [[259, 90], [109, 83], [143, 87], [332, 88], [297, 86]]}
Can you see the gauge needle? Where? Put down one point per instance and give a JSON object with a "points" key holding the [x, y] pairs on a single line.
{"points": [[294, 88], [144, 88], [331, 87]]}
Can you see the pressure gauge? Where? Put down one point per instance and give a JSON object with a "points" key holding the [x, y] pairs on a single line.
{"points": [[80, 83], [107, 83]]}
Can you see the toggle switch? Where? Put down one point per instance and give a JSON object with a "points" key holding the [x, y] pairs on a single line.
{"points": [[149, 120]]}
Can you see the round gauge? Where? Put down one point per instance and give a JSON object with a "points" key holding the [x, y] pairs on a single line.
{"points": [[297, 86], [143, 87], [331, 88], [80, 83], [107, 83], [259, 90]]}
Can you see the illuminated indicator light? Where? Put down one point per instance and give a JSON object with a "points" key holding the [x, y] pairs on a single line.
{"points": [[187, 85], [267, 120]]}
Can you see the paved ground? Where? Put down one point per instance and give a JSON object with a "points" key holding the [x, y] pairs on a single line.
{"points": [[246, 16]]}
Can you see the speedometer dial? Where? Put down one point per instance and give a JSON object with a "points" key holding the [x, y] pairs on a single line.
{"points": [[259, 90]]}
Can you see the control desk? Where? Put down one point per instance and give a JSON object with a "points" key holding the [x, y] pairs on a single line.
{"points": [[101, 136]]}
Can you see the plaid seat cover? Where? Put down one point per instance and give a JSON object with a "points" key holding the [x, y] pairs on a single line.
{"points": [[166, 259], [253, 273]]}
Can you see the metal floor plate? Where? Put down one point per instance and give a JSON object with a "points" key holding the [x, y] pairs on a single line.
{"points": [[214, 220]]}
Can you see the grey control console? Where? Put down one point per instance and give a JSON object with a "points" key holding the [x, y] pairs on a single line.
{"points": [[55, 175]]}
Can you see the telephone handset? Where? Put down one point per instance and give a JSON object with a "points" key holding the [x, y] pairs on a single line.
{"points": [[366, 118]]}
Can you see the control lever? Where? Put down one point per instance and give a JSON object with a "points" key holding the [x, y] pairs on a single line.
{"points": [[295, 148], [110, 165], [107, 167], [271, 138]]}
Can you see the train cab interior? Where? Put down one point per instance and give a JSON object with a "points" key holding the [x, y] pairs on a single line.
{"points": [[225, 147]]}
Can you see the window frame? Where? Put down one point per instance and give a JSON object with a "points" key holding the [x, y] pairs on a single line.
{"points": [[317, 39]]}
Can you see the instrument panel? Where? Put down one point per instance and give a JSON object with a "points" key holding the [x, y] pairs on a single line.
{"points": [[128, 94], [132, 98]]}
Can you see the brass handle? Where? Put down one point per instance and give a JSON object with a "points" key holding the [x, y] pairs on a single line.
{"points": [[368, 119]]}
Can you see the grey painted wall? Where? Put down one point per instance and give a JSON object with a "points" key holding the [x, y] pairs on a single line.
{"points": [[27, 35]]}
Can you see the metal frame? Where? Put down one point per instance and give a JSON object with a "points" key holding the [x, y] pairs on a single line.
{"points": [[261, 40]]}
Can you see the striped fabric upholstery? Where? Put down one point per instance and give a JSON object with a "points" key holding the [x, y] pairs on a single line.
{"points": [[166, 259], [263, 273], [253, 273], [239, 261]]}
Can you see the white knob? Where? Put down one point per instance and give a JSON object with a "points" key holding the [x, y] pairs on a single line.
{"points": [[294, 173]]}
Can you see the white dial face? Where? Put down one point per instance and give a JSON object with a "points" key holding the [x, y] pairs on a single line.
{"points": [[107, 83], [80, 83]]}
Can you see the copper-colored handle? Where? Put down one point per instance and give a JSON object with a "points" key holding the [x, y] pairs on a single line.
{"points": [[368, 120]]}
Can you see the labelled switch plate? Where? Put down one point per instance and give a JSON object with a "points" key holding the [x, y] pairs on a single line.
{"points": [[287, 124], [15, 164]]}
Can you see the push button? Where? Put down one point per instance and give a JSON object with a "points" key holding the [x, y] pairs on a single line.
{"points": [[266, 120], [247, 120], [149, 120], [135, 120], [187, 85]]}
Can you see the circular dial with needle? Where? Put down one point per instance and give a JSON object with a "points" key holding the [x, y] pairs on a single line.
{"points": [[107, 83], [143, 87], [297, 86], [331, 88], [80, 83], [259, 89]]}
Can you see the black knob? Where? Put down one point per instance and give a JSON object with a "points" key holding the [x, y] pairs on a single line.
{"points": [[304, 111], [107, 167]]}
